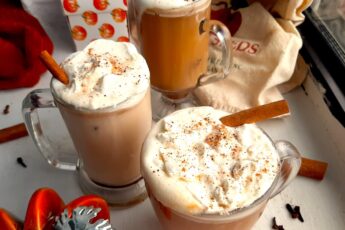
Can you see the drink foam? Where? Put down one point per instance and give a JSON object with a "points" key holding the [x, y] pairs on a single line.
{"points": [[170, 7]]}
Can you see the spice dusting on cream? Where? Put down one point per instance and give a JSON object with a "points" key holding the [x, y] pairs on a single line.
{"points": [[195, 164], [104, 74]]}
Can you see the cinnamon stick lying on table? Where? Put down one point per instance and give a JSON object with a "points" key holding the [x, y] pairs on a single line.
{"points": [[256, 114], [313, 169], [13, 132], [54, 68], [309, 168]]}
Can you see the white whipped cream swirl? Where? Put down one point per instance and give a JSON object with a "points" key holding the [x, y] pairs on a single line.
{"points": [[104, 74], [194, 164]]}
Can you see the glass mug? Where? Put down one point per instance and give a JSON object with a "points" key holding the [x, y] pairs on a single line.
{"points": [[184, 49], [108, 142], [238, 219]]}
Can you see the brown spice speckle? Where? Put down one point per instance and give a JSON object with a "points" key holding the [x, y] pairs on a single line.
{"points": [[236, 171], [219, 133]]}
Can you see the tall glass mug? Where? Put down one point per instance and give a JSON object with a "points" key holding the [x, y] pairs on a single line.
{"points": [[183, 47], [105, 128], [203, 175]]}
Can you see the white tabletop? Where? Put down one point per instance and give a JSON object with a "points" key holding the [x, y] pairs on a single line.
{"points": [[310, 127]]}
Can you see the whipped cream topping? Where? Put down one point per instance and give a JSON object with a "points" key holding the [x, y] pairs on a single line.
{"points": [[104, 74], [194, 164]]}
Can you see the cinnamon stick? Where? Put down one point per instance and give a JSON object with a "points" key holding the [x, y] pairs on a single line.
{"points": [[313, 169], [256, 114], [13, 132], [54, 68], [309, 168]]}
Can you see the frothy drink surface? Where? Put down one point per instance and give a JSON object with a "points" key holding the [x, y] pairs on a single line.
{"points": [[194, 164], [107, 109], [170, 5]]}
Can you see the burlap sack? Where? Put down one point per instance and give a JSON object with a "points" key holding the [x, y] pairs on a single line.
{"points": [[286, 9], [265, 54]]}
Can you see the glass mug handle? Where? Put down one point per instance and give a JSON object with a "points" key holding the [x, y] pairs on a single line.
{"points": [[290, 165], [220, 52], [39, 99]]}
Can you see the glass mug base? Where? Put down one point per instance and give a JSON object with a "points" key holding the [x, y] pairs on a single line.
{"points": [[115, 196], [163, 105]]}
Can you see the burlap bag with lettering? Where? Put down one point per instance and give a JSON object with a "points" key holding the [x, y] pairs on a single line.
{"points": [[265, 54]]}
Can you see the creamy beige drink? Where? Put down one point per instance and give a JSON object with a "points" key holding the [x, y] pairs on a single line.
{"points": [[107, 110], [174, 41], [200, 173]]}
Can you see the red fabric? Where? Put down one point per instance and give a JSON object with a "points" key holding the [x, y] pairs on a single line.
{"points": [[22, 39]]}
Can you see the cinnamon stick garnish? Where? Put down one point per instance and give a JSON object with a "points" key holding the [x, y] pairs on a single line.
{"points": [[256, 114], [313, 169], [309, 168], [54, 68], [13, 132]]}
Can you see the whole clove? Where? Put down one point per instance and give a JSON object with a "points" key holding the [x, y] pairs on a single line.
{"points": [[21, 162], [295, 212], [276, 226], [6, 110]]}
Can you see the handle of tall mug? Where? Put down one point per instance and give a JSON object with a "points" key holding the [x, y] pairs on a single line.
{"points": [[41, 99], [220, 52], [290, 164]]}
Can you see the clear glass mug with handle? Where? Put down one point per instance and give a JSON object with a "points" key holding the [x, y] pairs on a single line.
{"points": [[179, 214], [240, 219], [107, 141], [182, 46]]}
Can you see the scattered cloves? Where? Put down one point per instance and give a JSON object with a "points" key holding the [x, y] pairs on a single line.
{"points": [[6, 110], [295, 212], [21, 162], [276, 226]]}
